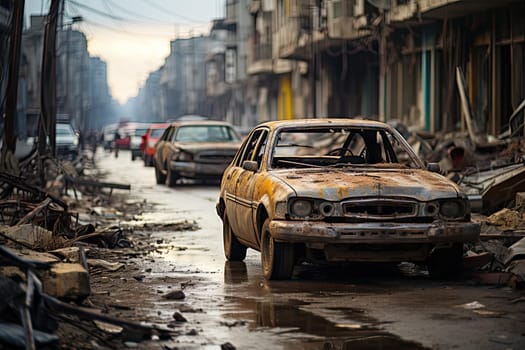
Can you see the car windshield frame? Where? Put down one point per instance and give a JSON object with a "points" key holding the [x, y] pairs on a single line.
{"points": [[140, 131], [64, 130], [156, 133], [396, 141], [200, 133]]}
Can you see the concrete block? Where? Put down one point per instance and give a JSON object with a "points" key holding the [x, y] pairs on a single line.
{"points": [[29, 234], [67, 281], [70, 254]]}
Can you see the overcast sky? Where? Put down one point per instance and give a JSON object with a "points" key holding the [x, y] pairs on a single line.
{"points": [[133, 36]]}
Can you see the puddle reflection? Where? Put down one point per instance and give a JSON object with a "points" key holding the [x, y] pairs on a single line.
{"points": [[235, 272], [353, 330]]}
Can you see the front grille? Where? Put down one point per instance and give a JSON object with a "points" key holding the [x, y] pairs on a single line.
{"points": [[215, 157], [380, 209]]}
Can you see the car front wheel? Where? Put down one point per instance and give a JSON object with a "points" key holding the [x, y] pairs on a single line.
{"points": [[277, 258], [233, 249], [172, 177], [159, 176], [446, 263]]}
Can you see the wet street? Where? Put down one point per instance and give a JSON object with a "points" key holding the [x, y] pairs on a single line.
{"points": [[353, 307]]}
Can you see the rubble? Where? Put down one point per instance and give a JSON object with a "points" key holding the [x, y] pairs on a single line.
{"points": [[507, 219], [46, 234], [491, 171], [67, 281]]}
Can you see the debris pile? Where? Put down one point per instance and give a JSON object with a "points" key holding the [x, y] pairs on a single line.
{"points": [[48, 253], [491, 171]]}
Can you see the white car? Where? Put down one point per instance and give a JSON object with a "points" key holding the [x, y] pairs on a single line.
{"points": [[67, 141]]}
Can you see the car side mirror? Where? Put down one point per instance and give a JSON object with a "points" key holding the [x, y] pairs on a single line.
{"points": [[434, 167], [250, 165]]}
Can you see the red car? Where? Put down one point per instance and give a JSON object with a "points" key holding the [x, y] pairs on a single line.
{"points": [[149, 139]]}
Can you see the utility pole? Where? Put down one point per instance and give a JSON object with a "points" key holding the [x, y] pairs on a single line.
{"points": [[9, 143], [47, 122]]}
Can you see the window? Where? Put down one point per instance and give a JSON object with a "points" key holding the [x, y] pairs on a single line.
{"points": [[205, 133], [157, 132], [341, 146], [249, 147]]}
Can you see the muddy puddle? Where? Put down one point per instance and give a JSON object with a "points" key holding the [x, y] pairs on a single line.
{"points": [[291, 320]]}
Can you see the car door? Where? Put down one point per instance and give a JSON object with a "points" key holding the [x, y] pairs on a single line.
{"points": [[230, 182], [159, 148], [247, 180]]}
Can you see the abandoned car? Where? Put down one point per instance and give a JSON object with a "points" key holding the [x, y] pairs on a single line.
{"points": [[340, 190], [194, 150]]}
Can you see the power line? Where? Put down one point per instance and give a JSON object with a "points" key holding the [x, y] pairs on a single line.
{"points": [[98, 12], [110, 14], [116, 19], [165, 10], [138, 15], [122, 30]]}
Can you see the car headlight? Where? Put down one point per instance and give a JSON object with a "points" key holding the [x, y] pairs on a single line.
{"points": [[431, 209], [452, 209], [301, 208], [327, 209], [183, 157]]}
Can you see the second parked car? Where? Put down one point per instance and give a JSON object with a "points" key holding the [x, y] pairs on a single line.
{"points": [[194, 149], [149, 140]]}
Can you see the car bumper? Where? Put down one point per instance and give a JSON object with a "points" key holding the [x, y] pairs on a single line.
{"points": [[374, 233], [198, 170], [374, 242]]}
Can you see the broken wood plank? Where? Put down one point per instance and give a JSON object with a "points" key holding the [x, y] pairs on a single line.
{"points": [[34, 212], [88, 183]]}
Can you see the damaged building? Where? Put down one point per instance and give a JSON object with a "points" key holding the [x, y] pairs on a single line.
{"points": [[387, 60]]}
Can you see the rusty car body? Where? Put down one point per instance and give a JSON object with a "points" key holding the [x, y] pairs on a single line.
{"points": [[195, 150], [339, 190]]}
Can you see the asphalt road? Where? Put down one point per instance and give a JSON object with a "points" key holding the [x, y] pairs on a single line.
{"points": [[352, 307]]}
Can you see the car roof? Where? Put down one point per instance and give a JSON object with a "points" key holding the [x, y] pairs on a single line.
{"points": [[276, 124], [199, 122], [158, 125]]}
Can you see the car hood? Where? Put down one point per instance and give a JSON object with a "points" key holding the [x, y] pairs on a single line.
{"points": [[203, 146], [335, 185]]}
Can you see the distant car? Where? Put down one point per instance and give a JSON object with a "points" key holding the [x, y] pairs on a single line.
{"points": [[135, 132], [149, 139], [195, 150], [340, 190], [109, 136], [67, 141], [123, 140], [190, 117]]}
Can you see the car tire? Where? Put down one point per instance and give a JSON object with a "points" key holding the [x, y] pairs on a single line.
{"points": [[277, 258], [159, 176], [171, 178], [233, 249], [446, 263]]}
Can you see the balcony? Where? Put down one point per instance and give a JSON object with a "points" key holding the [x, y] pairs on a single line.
{"points": [[294, 39], [456, 8], [347, 19], [259, 56], [402, 11], [232, 13]]}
